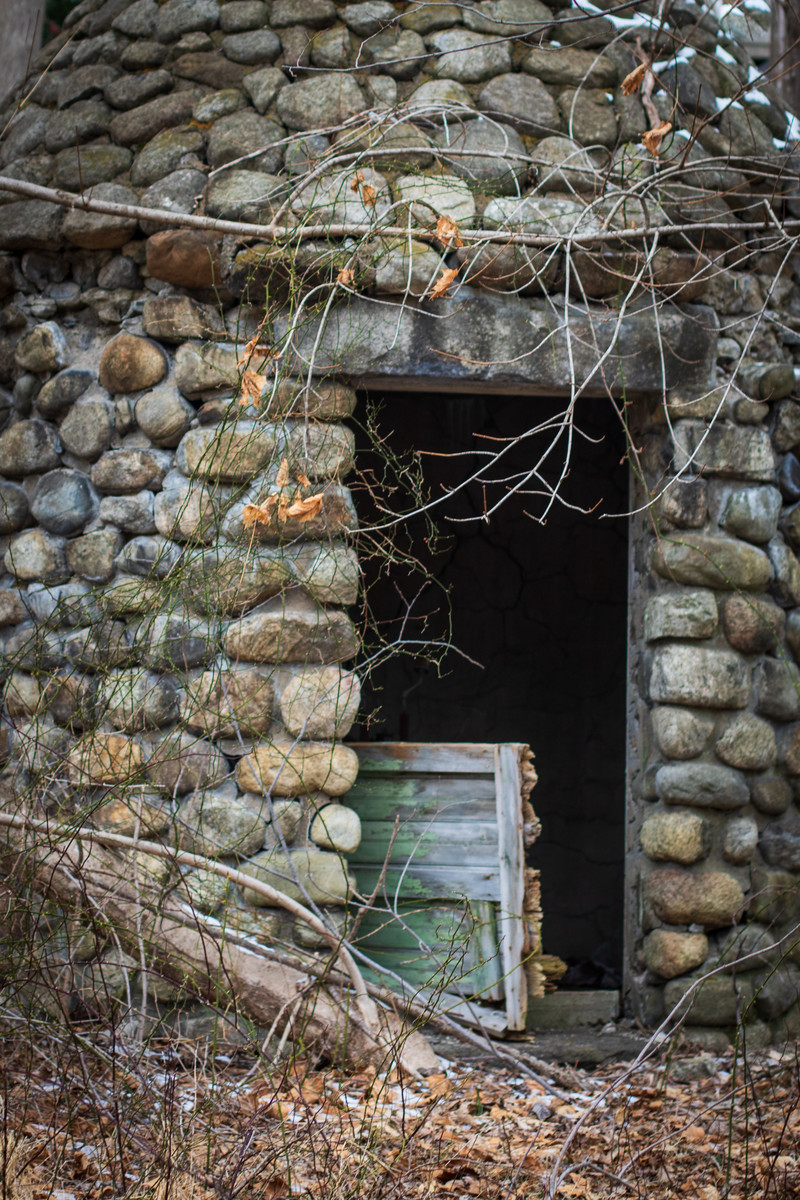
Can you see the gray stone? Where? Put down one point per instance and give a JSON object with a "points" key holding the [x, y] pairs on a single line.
{"points": [[105, 645], [182, 762], [316, 14], [61, 392], [752, 513], [130, 514], [675, 837], [218, 104], [403, 268], [163, 415], [709, 898], [119, 272], [286, 768], [199, 369], [140, 56], [747, 743], [470, 149], [668, 953], [786, 433], [770, 795], [716, 1002], [786, 571], [180, 318], [739, 840], [331, 48], [284, 633], [679, 733], [368, 17], [217, 823], [588, 116], [146, 556], [680, 615], [432, 196], [139, 125], [92, 556], [327, 99], [563, 166], [685, 503], [263, 86], [336, 827], [777, 687], [523, 103], [25, 132], [86, 120], [164, 154], [247, 133], [468, 57], [428, 17], [700, 677], [94, 164], [779, 991], [88, 81], [31, 225], [320, 451], [780, 843], [177, 17], [137, 19], [43, 348], [570, 67], [101, 231], [87, 429], [239, 15], [232, 454], [701, 785], [132, 700], [64, 501], [132, 90], [178, 192], [509, 18], [726, 450], [320, 703], [717, 562], [322, 877], [244, 195], [176, 641], [130, 470], [395, 51], [253, 48], [208, 67], [206, 890], [14, 508], [35, 555], [29, 448]]}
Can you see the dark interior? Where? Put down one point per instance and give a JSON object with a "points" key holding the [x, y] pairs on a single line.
{"points": [[539, 609]]}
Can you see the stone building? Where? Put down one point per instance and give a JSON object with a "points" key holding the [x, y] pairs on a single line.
{"points": [[461, 209]]}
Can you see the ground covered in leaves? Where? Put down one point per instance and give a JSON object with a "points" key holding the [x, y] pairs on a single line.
{"points": [[85, 1117]]}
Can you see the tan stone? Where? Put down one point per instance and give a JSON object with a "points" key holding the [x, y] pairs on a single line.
{"points": [[182, 762], [105, 758], [747, 743], [133, 811], [681, 733], [325, 400], [675, 837], [708, 898], [185, 257], [722, 563], [321, 703], [131, 364], [336, 827], [321, 451], [322, 876], [752, 626], [297, 768], [668, 953], [230, 453], [224, 703], [285, 634]]}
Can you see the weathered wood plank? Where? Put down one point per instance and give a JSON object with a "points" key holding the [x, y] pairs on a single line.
{"points": [[511, 927], [433, 883], [428, 843], [456, 758]]}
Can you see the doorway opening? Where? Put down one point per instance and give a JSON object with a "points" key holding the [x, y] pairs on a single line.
{"points": [[536, 618]]}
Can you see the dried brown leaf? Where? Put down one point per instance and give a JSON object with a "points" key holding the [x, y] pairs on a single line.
{"points": [[250, 387], [356, 181], [632, 82], [447, 231], [439, 289], [653, 138], [305, 509], [346, 277]]}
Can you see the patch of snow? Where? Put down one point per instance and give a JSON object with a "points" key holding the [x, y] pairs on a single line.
{"points": [[755, 97], [723, 55]]}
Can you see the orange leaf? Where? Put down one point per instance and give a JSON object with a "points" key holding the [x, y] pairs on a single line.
{"points": [[447, 231], [368, 195], [653, 138], [253, 347], [439, 289], [346, 277], [282, 478], [303, 480], [305, 510], [250, 387], [356, 181], [632, 81], [258, 514]]}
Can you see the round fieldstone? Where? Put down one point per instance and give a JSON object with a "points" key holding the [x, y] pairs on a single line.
{"points": [[739, 840], [430, 196], [207, 891], [571, 68], [298, 768], [699, 677], [320, 703], [218, 104], [29, 448], [119, 272], [701, 785], [132, 700], [468, 56], [163, 415], [240, 15], [143, 55], [232, 453], [563, 166], [140, 124], [486, 153], [681, 614], [92, 556], [100, 231], [681, 733], [230, 703], [177, 192], [131, 470], [771, 795], [589, 116], [523, 103], [326, 99], [263, 86], [188, 258], [753, 626], [87, 429], [131, 364], [675, 837], [244, 195], [246, 133], [61, 392], [178, 17], [395, 51], [368, 17], [163, 154], [132, 90], [145, 556], [43, 348], [94, 164], [777, 686], [64, 501], [709, 898], [81, 122], [14, 508], [252, 48], [780, 843], [747, 743], [217, 823], [182, 762], [322, 876], [668, 953], [752, 513], [35, 555], [510, 18]]}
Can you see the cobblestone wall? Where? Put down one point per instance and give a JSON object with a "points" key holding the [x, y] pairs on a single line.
{"points": [[176, 671]]}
